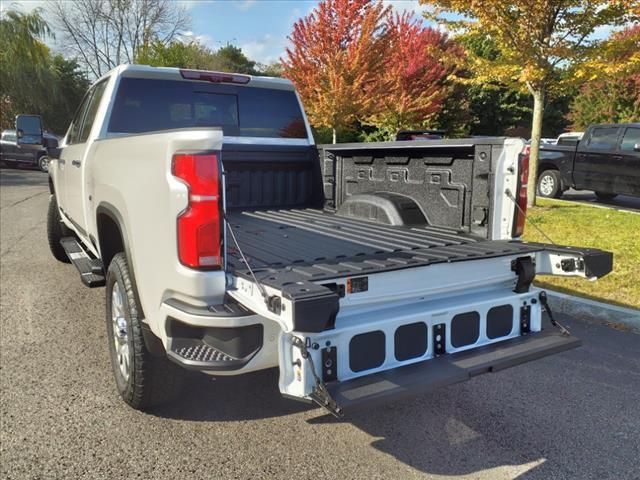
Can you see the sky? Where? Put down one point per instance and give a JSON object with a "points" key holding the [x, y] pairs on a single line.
{"points": [[259, 27]]}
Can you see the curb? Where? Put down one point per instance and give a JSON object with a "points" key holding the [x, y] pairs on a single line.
{"points": [[594, 312]]}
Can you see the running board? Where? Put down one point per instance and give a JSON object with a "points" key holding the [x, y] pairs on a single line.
{"points": [[429, 375], [90, 269]]}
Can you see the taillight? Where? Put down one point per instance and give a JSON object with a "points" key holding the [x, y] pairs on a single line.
{"points": [[215, 77], [200, 224], [521, 192]]}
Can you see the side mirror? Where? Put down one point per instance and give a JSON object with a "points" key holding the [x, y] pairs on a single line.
{"points": [[29, 131], [636, 147], [51, 146]]}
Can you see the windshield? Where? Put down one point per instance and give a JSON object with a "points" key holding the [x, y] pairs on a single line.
{"points": [[146, 105]]}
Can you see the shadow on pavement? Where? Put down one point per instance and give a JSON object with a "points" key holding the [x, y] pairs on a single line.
{"points": [[548, 419], [14, 177], [224, 399]]}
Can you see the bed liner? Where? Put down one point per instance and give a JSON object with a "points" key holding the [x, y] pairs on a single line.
{"points": [[288, 246]]}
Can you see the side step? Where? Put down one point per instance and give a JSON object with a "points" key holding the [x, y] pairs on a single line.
{"points": [[91, 271], [426, 376]]}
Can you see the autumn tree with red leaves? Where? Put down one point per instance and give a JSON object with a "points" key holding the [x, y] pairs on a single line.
{"points": [[337, 61], [420, 62]]}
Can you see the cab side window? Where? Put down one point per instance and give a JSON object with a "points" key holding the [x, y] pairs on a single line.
{"points": [[92, 110], [604, 138], [76, 123], [85, 115], [631, 139]]}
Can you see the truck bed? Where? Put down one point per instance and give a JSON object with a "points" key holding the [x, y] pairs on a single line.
{"points": [[314, 245]]}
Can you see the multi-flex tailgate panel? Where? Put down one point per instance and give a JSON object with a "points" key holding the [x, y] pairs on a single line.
{"points": [[422, 377]]}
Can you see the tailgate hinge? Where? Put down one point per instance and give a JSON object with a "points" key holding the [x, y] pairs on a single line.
{"points": [[320, 394]]}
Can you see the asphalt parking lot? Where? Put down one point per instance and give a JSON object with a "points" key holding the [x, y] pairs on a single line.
{"points": [[572, 416]]}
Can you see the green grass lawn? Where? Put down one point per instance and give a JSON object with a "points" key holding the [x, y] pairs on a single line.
{"points": [[581, 225]]}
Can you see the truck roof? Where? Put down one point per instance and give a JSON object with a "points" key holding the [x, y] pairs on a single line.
{"points": [[146, 71]]}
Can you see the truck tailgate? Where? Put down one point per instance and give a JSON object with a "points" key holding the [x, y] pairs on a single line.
{"points": [[306, 260]]}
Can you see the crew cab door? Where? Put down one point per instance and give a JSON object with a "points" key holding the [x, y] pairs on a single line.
{"points": [[628, 158], [595, 165], [73, 157]]}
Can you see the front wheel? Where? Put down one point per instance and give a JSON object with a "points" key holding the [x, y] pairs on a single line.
{"points": [[549, 184], [142, 379], [43, 163], [606, 196]]}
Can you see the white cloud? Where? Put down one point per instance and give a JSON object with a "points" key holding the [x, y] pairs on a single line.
{"points": [[243, 5], [400, 6], [265, 50]]}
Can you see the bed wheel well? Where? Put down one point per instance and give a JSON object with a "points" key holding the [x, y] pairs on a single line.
{"points": [[109, 238]]}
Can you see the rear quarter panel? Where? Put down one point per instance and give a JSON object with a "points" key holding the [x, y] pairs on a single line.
{"points": [[559, 157], [132, 175]]}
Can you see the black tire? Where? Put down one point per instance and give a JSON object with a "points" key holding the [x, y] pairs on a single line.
{"points": [[152, 380], [56, 230], [549, 184], [606, 196], [43, 163]]}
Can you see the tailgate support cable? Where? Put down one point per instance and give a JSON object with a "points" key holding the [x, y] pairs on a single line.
{"points": [[268, 300], [515, 202], [320, 394], [554, 322]]}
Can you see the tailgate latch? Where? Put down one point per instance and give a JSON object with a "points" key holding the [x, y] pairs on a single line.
{"points": [[320, 394]]}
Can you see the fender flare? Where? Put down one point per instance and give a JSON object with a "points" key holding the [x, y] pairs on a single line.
{"points": [[152, 342]]}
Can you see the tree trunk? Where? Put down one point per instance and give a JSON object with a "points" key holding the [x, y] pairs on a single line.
{"points": [[536, 133], [335, 137]]}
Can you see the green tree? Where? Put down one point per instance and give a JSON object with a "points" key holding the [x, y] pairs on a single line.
{"points": [[612, 91], [231, 59], [197, 56], [24, 63], [70, 85], [498, 109], [535, 38], [31, 80]]}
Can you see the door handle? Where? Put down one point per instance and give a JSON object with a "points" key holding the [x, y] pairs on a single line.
{"points": [[61, 161], [76, 163]]}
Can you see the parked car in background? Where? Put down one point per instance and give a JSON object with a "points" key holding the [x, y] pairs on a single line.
{"points": [[606, 159], [408, 135], [14, 156], [569, 138], [548, 141]]}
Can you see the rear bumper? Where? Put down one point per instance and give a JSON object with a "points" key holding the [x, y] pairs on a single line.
{"points": [[410, 380], [224, 339]]}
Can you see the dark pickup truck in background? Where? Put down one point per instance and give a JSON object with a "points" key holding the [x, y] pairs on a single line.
{"points": [[605, 160], [12, 155]]}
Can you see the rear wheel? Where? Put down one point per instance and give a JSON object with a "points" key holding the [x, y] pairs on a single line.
{"points": [[56, 230], [549, 184], [606, 196], [43, 163], [142, 379]]}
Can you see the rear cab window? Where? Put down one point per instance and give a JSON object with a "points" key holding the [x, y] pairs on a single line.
{"points": [[145, 105]]}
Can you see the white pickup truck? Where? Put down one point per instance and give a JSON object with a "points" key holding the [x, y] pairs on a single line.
{"points": [[229, 242]]}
